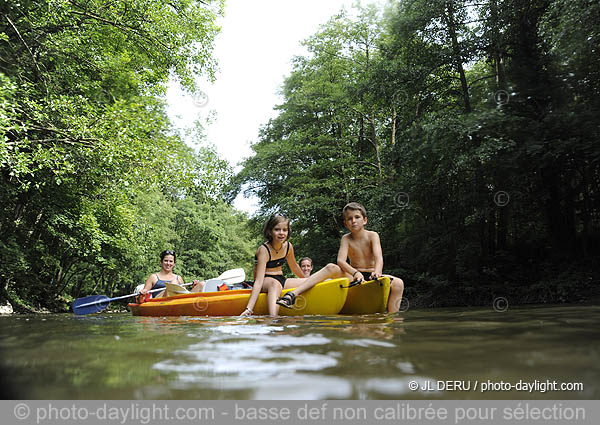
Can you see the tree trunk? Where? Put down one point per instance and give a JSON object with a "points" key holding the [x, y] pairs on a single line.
{"points": [[393, 141], [587, 209], [375, 143], [497, 54], [458, 56], [491, 233], [503, 220], [560, 213]]}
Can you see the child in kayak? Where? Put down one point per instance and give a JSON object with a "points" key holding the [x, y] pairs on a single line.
{"points": [[268, 276], [269, 258], [158, 280], [363, 248]]}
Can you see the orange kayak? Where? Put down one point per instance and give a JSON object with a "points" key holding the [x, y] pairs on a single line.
{"points": [[325, 298]]}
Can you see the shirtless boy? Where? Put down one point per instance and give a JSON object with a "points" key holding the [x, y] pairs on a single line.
{"points": [[363, 248]]}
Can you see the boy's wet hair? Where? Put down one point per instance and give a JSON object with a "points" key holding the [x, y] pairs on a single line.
{"points": [[355, 206], [274, 220], [167, 252], [306, 259]]}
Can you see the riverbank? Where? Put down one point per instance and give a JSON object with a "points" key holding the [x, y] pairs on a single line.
{"points": [[506, 284]]}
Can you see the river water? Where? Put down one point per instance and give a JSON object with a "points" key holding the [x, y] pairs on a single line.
{"points": [[448, 353]]}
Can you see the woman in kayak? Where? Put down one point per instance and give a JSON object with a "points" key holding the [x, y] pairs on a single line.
{"points": [[158, 280]]}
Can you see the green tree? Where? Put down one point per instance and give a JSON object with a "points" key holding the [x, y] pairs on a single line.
{"points": [[325, 147], [466, 129], [84, 132]]}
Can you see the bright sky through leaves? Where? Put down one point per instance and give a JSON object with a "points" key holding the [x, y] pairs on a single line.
{"points": [[254, 52]]}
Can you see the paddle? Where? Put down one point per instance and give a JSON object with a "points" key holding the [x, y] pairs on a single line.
{"points": [[96, 303], [230, 277], [361, 282]]}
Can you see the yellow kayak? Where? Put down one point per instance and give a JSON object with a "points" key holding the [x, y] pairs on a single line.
{"points": [[367, 298], [324, 298]]}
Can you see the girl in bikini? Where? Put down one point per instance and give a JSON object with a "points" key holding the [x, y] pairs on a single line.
{"points": [[270, 256], [268, 276]]}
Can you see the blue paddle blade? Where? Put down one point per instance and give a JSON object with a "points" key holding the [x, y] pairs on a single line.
{"points": [[91, 304]]}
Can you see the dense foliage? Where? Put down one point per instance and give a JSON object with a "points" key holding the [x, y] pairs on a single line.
{"points": [[470, 132], [94, 181], [468, 129]]}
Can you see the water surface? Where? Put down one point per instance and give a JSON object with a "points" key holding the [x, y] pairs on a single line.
{"points": [[117, 356]]}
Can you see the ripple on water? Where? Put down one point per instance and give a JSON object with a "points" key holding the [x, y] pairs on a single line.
{"points": [[368, 343], [399, 387], [304, 387], [406, 367], [247, 329], [256, 357]]}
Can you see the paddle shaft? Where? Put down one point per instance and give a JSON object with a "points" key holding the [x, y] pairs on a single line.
{"points": [[125, 296]]}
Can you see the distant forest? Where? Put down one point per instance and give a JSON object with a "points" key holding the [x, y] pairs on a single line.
{"points": [[469, 130]]}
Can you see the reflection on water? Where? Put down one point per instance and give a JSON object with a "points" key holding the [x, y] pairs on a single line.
{"points": [[117, 356]]}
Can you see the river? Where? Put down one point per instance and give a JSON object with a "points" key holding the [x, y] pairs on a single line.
{"points": [[541, 352]]}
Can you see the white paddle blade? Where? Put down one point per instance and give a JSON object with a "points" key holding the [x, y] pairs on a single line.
{"points": [[229, 277], [233, 275], [175, 289], [212, 285]]}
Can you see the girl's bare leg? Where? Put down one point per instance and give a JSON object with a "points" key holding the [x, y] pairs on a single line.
{"points": [[273, 289], [330, 271]]}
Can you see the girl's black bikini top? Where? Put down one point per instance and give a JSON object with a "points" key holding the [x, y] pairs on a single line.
{"points": [[271, 264]]}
